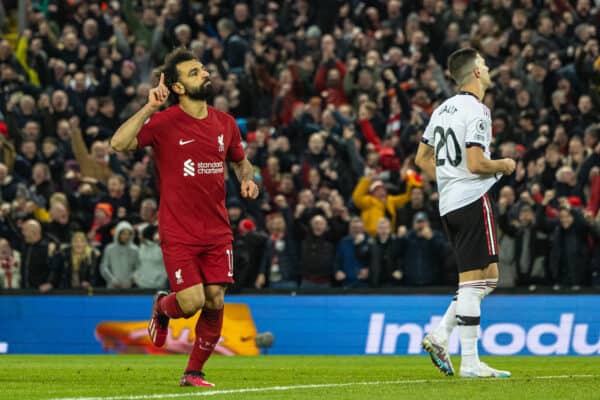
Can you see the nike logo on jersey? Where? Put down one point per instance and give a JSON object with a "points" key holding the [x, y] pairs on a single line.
{"points": [[184, 142]]}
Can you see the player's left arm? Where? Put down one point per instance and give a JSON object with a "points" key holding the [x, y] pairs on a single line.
{"points": [[425, 159], [244, 171]]}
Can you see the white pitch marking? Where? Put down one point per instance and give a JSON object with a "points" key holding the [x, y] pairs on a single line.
{"points": [[313, 386]]}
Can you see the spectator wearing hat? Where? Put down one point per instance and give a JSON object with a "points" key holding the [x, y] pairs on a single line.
{"points": [[235, 211], [151, 273], [371, 197], [422, 250], [99, 233], [417, 203], [120, 259], [530, 233], [248, 246]]}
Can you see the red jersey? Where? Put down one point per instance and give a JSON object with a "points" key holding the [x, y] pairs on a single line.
{"points": [[191, 157]]}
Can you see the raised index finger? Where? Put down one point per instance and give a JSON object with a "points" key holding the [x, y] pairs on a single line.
{"points": [[161, 82]]}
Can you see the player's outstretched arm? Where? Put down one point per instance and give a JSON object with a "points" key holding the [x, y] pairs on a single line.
{"points": [[425, 159], [478, 163], [245, 174], [125, 138]]}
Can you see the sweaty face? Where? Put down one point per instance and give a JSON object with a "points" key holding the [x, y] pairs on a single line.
{"points": [[195, 80]]}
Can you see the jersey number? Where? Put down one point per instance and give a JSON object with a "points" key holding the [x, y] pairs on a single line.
{"points": [[443, 143]]}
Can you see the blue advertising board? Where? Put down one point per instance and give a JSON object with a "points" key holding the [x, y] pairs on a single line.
{"points": [[511, 325]]}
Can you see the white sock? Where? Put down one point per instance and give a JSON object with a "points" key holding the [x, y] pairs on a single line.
{"points": [[447, 324], [490, 285], [468, 315]]}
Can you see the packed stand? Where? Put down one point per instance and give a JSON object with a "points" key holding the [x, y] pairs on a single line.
{"points": [[331, 98]]}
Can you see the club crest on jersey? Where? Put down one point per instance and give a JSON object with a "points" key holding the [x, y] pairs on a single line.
{"points": [[221, 143], [178, 276]]}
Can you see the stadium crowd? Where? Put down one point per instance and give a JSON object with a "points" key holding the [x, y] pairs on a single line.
{"points": [[331, 97]]}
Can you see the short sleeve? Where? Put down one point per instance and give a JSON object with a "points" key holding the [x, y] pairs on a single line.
{"points": [[146, 135], [235, 152], [428, 136], [478, 131]]}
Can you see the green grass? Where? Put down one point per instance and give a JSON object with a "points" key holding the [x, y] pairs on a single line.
{"points": [[46, 377]]}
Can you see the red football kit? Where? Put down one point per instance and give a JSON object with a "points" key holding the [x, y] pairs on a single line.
{"points": [[191, 157]]}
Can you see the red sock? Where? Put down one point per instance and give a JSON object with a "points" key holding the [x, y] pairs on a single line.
{"points": [[168, 305], [208, 332]]}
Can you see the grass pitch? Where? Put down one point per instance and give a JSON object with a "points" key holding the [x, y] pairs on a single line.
{"points": [[283, 377]]}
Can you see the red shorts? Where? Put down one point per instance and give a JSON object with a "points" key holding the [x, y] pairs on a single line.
{"points": [[189, 265]]}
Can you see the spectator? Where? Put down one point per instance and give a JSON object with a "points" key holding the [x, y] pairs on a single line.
{"points": [[422, 252], [117, 197], [8, 186], [385, 268], [234, 46], [99, 234], [120, 259], [41, 189], [351, 260], [60, 229], [317, 255], [36, 253], [327, 91], [372, 198], [76, 265], [278, 264], [594, 224], [10, 266], [531, 241], [151, 272], [417, 203], [93, 164], [248, 246], [148, 215], [568, 255]]}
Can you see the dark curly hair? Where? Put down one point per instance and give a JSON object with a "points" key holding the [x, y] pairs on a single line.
{"points": [[169, 68]]}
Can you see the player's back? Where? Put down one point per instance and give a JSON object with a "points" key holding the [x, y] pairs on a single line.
{"points": [[458, 123]]}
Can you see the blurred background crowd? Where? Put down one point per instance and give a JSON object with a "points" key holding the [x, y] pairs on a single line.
{"points": [[331, 97]]}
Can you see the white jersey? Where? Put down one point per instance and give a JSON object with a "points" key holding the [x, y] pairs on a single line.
{"points": [[460, 122]]}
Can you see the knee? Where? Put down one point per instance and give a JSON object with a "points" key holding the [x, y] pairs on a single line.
{"points": [[215, 303], [215, 298], [191, 303]]}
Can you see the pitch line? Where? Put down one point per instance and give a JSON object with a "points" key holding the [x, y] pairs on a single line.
{"points": [[209, 392]]}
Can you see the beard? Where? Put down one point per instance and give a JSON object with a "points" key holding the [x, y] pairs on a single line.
{"points": [[202, 92]]}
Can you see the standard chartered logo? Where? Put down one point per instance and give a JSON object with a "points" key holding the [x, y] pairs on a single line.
{"points": [[188, 168], [191, 168]]}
